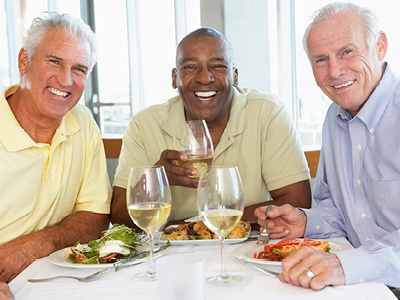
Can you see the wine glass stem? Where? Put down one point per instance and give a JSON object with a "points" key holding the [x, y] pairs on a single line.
{"points": [[151, 272], [223, 274]]}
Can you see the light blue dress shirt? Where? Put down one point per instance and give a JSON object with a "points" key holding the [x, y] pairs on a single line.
{"points": [[358, 185]]}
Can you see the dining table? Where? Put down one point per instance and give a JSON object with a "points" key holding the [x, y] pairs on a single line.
{"points": [[121, 284]]}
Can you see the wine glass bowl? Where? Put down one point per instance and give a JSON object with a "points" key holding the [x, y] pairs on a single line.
{"points": [[193, 138], [221, 203], [148, 200]]}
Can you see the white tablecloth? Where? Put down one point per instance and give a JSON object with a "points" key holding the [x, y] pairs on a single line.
{"points": [[120, 285]]}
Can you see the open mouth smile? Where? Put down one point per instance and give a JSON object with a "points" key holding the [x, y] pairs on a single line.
{"points": [[205, 95], [57, 92], [350, 82]]}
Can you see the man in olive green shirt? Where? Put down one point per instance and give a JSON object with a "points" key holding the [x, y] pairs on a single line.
{"points": [[249, 129]]}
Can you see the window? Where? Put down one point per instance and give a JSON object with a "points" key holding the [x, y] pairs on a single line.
{"points": [[138, 38], [15, 18]]}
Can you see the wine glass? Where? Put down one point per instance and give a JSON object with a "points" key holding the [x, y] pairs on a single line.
{"points": [[193, 139], [148, 200], [220, 202]]}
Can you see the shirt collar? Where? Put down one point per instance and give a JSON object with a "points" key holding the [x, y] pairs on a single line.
{"points": [[373, 109], [14, 137]]}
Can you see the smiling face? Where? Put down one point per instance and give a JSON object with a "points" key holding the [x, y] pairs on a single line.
{"points": [[345, 69], [205, 78], [53, 81]]}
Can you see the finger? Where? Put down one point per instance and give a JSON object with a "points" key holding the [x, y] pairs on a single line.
{"points": [[280, 235], [4, 288], [185, 181], [279, 211], [260, 214], [294, 266], [169, 154], [276, 231]]}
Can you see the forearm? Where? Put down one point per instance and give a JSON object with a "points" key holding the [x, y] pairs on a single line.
{"points": [[297, 194], [82, 225], [19, 253]]}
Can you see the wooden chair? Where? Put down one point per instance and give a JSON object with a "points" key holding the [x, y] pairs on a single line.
{"points": [[113, 146]]}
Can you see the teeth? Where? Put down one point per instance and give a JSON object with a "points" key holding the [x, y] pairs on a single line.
{"points": [[205, 94], [344, 84], [57, 92]]}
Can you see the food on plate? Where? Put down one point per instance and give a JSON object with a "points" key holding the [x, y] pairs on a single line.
{"points": [[199, 231], [283, 248], [118, 242]]}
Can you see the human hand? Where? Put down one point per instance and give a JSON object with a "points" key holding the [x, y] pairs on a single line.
{"points": [[5, 292], [14, 258], [177, 175], [284, 221], [325, 269]]}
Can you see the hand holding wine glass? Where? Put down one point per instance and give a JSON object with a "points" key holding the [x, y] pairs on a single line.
{"points": [[194, 139], [221, 203], [148, 200]]}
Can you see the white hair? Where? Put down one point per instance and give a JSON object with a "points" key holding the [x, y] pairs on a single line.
{"points": [[74, 27], [330, 10]]}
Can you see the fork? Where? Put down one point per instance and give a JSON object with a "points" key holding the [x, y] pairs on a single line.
{"points": [[86, 278], [263, 238]]}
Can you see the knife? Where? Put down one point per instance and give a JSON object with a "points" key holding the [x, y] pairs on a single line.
{"points": [[268, 272], [141, 255]]}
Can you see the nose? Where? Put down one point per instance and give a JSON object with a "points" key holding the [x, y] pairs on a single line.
{"points": [[336, 69], [205, 76], [64, 77]]}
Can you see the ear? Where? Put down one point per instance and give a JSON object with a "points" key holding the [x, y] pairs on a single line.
{"points": [[381, 46], [235, 77], [174, 75], [23, 61]]}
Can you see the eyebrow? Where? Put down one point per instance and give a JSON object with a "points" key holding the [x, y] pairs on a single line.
{"points": [[337, 51], [194, 59], [86, 68]]}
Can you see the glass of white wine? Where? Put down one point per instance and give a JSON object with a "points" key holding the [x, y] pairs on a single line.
{"points": [[220, 202], [194, 139], [148, 200]]}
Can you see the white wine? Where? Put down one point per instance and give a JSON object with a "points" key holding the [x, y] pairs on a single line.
{"points": [[195, 162], [149, 216], [221, 221]]}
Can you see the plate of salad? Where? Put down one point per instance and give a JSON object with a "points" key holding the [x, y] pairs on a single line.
{"points": [[117, 244]]}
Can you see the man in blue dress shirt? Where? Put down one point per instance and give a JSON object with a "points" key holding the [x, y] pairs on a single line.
{"points": [[358, 182]]}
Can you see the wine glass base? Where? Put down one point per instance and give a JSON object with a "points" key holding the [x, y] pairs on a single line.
{"points": [[145, 276], [225, 281]]}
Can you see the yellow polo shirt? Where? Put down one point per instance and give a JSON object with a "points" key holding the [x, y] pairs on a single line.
{"points": [[260, 139], [41, 184]]}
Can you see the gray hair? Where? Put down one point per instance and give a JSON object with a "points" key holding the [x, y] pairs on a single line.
{"points": [[328, 11], [207, 31], [74, 27]]}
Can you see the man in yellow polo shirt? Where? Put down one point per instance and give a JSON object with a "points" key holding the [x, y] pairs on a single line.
{"points": [[54, 187], [250, 129]]}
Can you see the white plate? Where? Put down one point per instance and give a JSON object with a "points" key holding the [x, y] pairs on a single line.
{"points": [[58, 258], [162, 240], [246, 252]]}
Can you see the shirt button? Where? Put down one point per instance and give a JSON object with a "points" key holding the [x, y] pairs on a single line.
{"points": [[361, 280], [359, 147], [49, 174], [318, 227], [362, 215], [371, 130], [358, 181]]}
